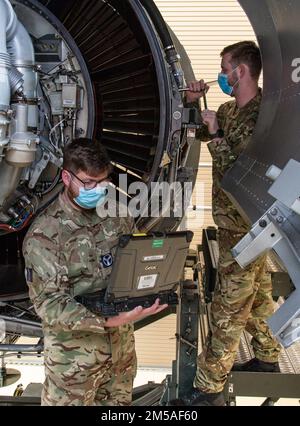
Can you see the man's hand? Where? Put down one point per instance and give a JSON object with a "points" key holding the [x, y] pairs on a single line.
{"points": [[210, 119], [134, 315], [197, 88]]}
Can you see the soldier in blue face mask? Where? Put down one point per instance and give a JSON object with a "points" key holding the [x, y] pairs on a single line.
{"points": [[224, 84], [243, 298], [92, 192], [69, 251]]}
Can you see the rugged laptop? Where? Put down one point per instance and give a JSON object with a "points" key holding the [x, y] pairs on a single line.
{"points": [[145, 267]]}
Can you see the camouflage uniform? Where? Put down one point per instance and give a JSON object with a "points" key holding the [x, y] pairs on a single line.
{"points": [[243, 299], [68, 253]]}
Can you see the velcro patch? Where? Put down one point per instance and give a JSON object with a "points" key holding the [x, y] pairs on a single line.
{"points": [[106, 260]]}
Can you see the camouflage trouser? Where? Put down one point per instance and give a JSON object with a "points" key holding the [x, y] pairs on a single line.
{"points": [[242, 301], [89, 369]]}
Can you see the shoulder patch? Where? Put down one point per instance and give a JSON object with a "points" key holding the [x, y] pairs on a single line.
{"points": [[106, 260]]}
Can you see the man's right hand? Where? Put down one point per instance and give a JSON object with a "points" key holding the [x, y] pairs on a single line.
{"points": [[136, 314], [196, 90]]}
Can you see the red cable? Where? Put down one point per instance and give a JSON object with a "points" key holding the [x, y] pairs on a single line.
{"points": [[10, 228]]}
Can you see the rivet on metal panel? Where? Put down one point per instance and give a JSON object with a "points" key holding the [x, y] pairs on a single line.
{"points": [[274, 212], [262, 223]]}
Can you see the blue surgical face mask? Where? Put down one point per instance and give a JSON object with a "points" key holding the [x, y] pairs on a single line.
{"points": [[223, 83], [90, 199]]}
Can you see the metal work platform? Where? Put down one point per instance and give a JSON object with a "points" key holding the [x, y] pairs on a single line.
{"points": [[289, 358], [192, 327], [271, 386]]}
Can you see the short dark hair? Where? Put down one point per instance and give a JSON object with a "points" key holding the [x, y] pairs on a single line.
{"points": [[87, 155], [245, 52]]}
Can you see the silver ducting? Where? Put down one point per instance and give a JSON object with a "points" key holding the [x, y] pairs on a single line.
{"points": [[4, 122], [22, 146], [17, 76], [20, 48], [21, 52], [8, 23], [16, 81], [4, 81], [16, 51], [9, 178]]}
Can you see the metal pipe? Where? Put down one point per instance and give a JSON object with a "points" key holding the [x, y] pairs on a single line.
{"points": [[209, 83], [158, 22], [11, 18], [16, 81], [20, 122], [4, 81], [4, 122], [22, 326], [9, 178], [21, 51], [204, 100], [20, 321], [172, 56], [8, 24], [16, 48], [21, 348]]}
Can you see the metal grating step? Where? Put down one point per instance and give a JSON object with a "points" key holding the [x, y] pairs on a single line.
{"points": [[289, 359]]}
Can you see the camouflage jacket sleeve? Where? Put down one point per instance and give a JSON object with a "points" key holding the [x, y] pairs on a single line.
{"points": [[48, 284], [237, 137]]}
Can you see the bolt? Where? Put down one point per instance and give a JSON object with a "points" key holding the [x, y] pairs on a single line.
{"points": [[279, 219], [177, 115], [274, 211], [262, 223]]}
